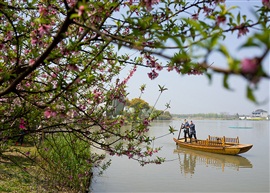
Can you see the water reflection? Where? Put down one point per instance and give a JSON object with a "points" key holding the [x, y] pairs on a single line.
{"points": [[189, 159]]}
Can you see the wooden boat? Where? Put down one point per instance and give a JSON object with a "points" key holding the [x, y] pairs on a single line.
{"points": [[213, 144]]}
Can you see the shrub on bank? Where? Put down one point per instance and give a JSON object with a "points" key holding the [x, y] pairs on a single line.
{"points": [[66, 161]]}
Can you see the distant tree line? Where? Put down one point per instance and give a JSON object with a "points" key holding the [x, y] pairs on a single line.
{"points": [[206, 116]]}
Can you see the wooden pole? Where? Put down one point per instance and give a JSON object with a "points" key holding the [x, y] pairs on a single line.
{"points": [[180, 131]]}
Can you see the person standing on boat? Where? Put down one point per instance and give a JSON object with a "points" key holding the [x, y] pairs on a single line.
{"points": [[186, 129], [192, 131]]}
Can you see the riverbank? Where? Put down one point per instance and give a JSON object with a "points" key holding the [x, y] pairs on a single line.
{"points": [[18, 179], [23, 170]]}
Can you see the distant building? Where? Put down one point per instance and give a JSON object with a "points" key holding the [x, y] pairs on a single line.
{"points": [[259, 114], [242, 117]]}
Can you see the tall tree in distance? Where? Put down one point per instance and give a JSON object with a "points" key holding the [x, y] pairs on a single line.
{"points": [[139, 103]]}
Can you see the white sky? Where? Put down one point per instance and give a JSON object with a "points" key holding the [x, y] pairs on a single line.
{"points": [[194, 94]]}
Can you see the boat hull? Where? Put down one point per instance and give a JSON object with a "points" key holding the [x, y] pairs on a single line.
{"points": [[228, 149]]}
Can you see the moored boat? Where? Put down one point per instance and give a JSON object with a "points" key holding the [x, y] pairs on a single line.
{"points": [[213, 144]]}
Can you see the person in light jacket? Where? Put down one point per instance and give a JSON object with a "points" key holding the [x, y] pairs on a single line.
{"points": [[186, 129]]}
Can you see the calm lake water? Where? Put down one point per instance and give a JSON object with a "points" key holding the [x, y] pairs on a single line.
{"points": [[194, 171]]}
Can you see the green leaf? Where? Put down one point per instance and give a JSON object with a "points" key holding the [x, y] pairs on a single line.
{"points": [[250, 95], [263, 37], [209, 76], [214, 40], [162, 88], [172, 130], [245, 18], [250, 43], [193, 33], [238, 18], [74, 15], [223, 49], [119, 45], [177, 41], [232, 7], [225, 82]]}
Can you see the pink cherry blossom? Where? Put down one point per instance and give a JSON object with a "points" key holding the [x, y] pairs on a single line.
{"points": [[27, 51], [219, 1], [22, 124], [195, 16], [27, 84], [34, 41], [73, 67], [31, 62], [81, 10], [220, 19], [146, 122], [249, 65], [242, 30], [80, 29], [152, 75], [178, 70], [149, 152], [71, 3], [170, 68], [2, 46], [266, 3], [159, 67], [8, 36], [49, 113], [43, 29], [207, 10], [42, 10], [150, 3], [129, 154]]}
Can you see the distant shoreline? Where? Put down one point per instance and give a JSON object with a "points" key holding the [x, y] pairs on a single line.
{"points": [[218, 117]]}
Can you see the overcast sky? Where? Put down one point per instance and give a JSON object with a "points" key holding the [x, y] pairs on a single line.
{"points": [[195, 94]]}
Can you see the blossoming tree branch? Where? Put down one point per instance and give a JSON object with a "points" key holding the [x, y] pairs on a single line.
{"points": [[60, 63]]}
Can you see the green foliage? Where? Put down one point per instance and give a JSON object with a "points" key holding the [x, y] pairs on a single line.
{"points": [[250, 94], [138, 103], [160, 115], [18, 170], [67, 160], [222, 116]]}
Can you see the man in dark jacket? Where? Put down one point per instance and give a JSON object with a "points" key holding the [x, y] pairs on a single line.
{"points": [[192, 131]]}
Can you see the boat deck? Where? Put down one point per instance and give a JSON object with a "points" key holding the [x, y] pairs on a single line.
{"points": [[214, 141]]}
